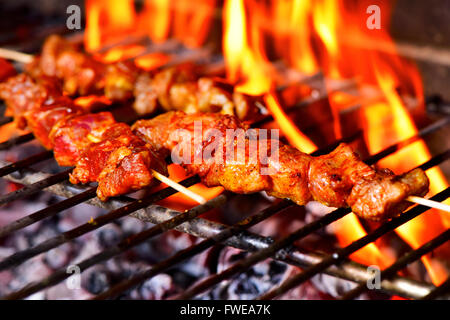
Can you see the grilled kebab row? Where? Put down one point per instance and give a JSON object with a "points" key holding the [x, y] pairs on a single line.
{"points": [[120, 158]]}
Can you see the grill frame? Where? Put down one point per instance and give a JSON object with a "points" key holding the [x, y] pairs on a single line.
{"points": [[235, 236]]}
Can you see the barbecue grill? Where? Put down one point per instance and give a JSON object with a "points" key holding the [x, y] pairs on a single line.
{"points": [[211, 233]]}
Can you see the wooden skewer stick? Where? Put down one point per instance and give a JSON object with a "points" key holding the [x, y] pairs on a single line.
{"points": [[16, 56], [179, 187], [429, 203]]}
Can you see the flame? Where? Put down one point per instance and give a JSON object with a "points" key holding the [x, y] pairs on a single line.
{"points": [[151, 61], [380, 135], [192, 22], [120, 53], [301, 52]]}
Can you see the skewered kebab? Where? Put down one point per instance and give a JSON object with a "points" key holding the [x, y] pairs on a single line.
{"points": [[338, 179], [173, 88], [101, 149]]}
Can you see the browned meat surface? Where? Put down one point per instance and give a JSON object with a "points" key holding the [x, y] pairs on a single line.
{"points": [[338, 179], [72, 135], [178, 88]]}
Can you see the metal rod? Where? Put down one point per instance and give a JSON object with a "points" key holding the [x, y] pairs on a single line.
{"points": [[343, 253], [51, 243], [402, 262], [195, 249], [5, 120], [136, 239]]}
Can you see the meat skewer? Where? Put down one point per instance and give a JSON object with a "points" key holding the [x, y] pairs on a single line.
{"points": [[338, 179], [173, 88], [101, 149]]}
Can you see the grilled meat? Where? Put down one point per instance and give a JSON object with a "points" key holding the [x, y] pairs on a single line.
{"points": [[338, 179]]}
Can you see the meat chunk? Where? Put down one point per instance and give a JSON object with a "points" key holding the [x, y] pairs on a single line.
{"points": [[338, 179], [120, 79]]}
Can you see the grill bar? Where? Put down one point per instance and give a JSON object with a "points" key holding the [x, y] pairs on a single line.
{"points": [[194, 250], [401, 263], [51, 243], [343, 253], [16, 141], [61, 274], [272, 249]]}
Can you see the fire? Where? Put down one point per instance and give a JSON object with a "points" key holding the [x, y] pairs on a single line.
{"points": [[179, 201], [246, 65]]}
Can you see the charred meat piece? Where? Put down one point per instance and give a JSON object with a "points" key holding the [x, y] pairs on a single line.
{"points": [[120, 79], [72, 135], [338, 179]]}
